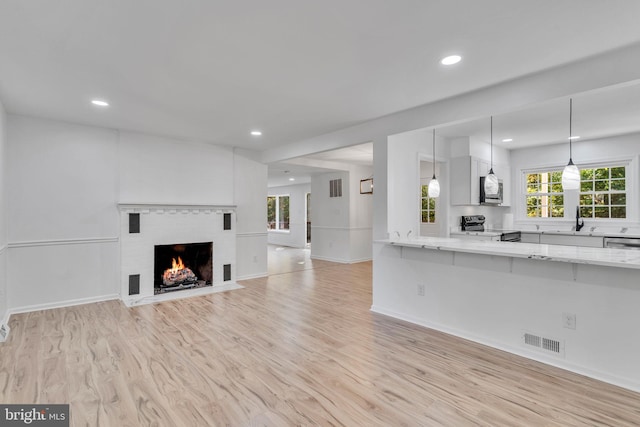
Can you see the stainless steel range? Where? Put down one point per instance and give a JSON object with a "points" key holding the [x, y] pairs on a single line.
{"points": [[476, 223], [472, 223]]}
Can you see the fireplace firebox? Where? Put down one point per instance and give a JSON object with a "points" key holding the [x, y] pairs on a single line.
{"points": [[182, 266]]}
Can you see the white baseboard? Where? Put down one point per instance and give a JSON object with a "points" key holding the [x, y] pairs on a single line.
{"points": [[326, 258], [60, 304], [252, 276], [341, 261], [355, 261], [558, 363], [4, 325]]}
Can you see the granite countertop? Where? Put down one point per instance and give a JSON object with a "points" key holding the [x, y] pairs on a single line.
{"points": [[476, 233], [584, 232], [573, 254]]}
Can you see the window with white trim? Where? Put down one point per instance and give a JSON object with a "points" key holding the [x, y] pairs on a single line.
{"points": [[278, 213], [428, 208], [544, 196], [603, 192]]}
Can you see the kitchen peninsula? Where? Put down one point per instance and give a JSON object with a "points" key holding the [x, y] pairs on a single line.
{"points": [[571, 307]]}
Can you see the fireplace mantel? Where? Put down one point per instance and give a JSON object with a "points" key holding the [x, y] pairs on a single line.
{"points": [[145, 225], [154, 207]]}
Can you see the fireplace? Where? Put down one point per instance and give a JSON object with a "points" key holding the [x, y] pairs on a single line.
{"points": [[182, 266], [155, 238]]}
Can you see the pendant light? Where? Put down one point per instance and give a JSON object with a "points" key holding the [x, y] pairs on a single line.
{"points": [[571, 173], [434, 185], [491, 185]]}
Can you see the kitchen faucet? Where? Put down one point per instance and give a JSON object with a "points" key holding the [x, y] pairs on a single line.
{"points": [[579, 224]]}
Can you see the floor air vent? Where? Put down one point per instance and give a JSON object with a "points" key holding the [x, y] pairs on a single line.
{"points": [[533, 340], [547, 344], [551, 345]]}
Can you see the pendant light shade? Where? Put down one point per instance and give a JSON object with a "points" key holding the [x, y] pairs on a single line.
{"points": [[571, 173], [570, 177], [434, 186], [491, 184]]}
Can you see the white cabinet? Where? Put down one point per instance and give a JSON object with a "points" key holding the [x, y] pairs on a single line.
{"points": [[465, 180], [572, 240]]}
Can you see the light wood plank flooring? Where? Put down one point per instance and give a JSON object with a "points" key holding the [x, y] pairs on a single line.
{"points": [[299, 348]]}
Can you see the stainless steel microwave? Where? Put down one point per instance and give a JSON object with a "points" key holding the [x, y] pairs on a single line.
{"points": [[494, 199]]}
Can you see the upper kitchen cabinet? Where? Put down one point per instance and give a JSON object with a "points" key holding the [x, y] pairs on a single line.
{"points": [[465, 180]]}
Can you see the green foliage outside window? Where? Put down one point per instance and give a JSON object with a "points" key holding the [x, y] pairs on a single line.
{"points": [[603, 192], [545, 198], [277, 212], [428, 208], [271, 213]]}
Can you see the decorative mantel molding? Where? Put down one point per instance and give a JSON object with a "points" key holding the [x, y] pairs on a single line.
{"points": [[173, 208]]}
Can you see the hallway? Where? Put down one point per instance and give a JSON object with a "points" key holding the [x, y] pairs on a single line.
{"points": [[283, 259]]}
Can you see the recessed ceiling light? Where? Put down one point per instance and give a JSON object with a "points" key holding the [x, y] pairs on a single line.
{"points": [[507, 140], [292, 179], [256, 133], [99, 103], [450, 60], [574, 137]]}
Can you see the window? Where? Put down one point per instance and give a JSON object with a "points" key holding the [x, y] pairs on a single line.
{"points": [[278, 213], [603, 192], [428, 209], [544, 197]]}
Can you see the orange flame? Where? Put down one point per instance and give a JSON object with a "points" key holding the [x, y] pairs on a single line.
{"points": [[176, 266]]}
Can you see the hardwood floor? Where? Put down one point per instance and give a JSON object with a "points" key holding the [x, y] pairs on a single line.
{"points": [[284, 259], [299, 348]]}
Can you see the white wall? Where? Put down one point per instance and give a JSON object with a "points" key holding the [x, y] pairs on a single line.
{"points": [[380, 188], [342, 227], [360, 215], [494, 300], [330, 218], [62, 213], [296, 236], [619, 148], [4, 208], [65, 183], [404, 153], [250, 194], [161, 170]]}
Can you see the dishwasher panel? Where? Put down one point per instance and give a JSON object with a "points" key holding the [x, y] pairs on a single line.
{"points": [[622, 243]]}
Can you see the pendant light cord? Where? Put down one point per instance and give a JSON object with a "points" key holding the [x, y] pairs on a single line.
{"points": [[570, 134], [434, 153], [491, 144]]}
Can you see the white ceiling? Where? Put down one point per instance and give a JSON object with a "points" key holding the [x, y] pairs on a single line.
{"points": [[214, 70], [600, 114], [361, 154], [301, 169]]}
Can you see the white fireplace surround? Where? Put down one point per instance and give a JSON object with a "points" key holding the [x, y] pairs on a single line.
{"points": [[166, 224]]}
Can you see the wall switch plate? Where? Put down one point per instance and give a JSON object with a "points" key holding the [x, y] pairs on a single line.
{"points": [[420, 289], [569, 320]]}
